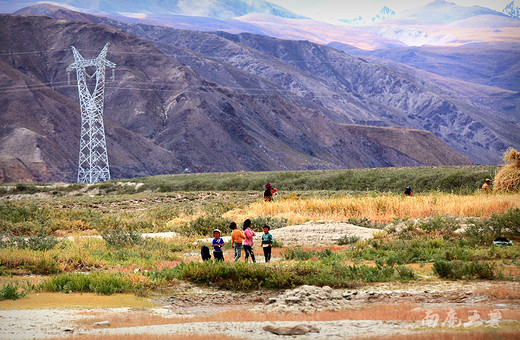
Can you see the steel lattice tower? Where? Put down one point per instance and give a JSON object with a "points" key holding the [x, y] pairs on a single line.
{"points": [[93, 158]]}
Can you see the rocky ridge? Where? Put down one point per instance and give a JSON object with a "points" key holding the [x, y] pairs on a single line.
{"points": [[163, 117]]}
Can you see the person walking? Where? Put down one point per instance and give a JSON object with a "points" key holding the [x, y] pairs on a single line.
{"points": [[217, 244], [267, 243], [268, 193], [248, 241], [237, 237]]}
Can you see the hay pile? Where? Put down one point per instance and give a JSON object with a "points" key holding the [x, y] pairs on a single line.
{"points": [[508, 178]]}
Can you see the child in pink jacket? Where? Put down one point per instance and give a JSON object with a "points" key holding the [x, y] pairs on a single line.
{"points": [[248, 241]]}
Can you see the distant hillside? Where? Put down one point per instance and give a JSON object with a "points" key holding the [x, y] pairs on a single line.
{"points": [[219, 9], [346, 89], [162, 117], [491, 64], [442, 12]]}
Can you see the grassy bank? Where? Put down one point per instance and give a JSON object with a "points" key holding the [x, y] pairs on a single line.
{"points": [[458, 179]]}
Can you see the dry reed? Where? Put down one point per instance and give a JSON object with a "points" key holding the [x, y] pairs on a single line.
{"points": [[382, 208], [508, 178]]}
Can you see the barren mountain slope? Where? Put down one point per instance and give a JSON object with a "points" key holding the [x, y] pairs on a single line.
{"points": [[344, 88], [168, 118]]}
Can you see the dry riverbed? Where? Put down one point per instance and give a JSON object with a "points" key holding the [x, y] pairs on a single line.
{"points": [[374, 310], [371, 310]]}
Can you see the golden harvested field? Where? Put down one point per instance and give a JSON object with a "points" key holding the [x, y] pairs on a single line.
{"points": [[379, 208]]}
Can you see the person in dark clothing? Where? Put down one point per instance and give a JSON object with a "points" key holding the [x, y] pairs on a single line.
{"points": [[408, 191], [268, 193], [204, 252]]}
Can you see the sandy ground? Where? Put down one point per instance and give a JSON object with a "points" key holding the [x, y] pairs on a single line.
{"points": [[186, 300], [30, 324], [320, 233]]}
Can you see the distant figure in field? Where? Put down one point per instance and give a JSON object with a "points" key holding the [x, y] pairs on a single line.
{"points": [[408, 191], [217, 244], [267, 243], [248, 241], [485, 187], [268, 193]]}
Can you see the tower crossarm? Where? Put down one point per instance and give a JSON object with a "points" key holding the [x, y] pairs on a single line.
{"points": [[81, 63]]}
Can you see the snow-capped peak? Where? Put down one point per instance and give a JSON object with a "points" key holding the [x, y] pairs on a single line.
{"points": [[512, 10], [384, 13]]}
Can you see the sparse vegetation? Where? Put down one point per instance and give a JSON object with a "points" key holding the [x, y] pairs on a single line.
{"points": [[451, 232], [13, 291], [452, 179], [324, 272], [348, 239]]}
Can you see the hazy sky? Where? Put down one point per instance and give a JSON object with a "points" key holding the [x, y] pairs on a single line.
{"points": [[324, 9]]}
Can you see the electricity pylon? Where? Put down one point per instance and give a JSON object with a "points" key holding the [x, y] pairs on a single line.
{"points": [[93, 158]]}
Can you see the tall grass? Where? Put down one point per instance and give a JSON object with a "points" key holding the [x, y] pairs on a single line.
{"points": [[380, 208], [460, 179]]}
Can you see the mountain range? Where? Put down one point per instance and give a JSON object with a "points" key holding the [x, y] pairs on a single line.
{"points": [[192, 101], [219, 9], [384, 13]]}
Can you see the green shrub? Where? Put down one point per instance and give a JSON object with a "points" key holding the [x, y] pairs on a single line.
{"points": [[484, 231], [277, 243], [507, 222], [445, 269], [328, 272], [23, 219], [405, 273], [456, 270], [348, 239], [101, 283], [14, 291], [365, 222], [273, 222], [298, 254], [120, 238], [45, 266], [42, 241], [439, 223], [204, 225]]}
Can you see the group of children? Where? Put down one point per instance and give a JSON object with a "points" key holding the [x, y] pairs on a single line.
{"points": [[242, 239]]}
